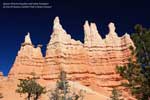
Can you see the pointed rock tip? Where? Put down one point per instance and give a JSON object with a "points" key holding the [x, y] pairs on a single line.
{"points": [[112, 27], [93, 27], [86, 25], [28, 33], [56, 20], [126, 34], [94, 30], [92, 24], [57, 25], [86, 22], [27, 38]]}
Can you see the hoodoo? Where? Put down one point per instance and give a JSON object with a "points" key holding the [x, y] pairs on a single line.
{"points": [[92, 64], [29, 60]]}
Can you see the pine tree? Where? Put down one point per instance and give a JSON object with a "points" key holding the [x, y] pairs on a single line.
{"points": [[31, 87], [137, 72], [116, 95], [62, 90]]}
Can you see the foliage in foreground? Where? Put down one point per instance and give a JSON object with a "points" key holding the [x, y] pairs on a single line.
{"points": [[30, 87], [137, 72], [62, 90], [116, 94]]}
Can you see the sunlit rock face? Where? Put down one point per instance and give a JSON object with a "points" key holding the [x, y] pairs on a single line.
{"points": [[29, 60], [91, 63], [65, 53]]}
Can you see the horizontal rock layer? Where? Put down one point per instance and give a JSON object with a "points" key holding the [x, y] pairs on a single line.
{"points": [[91, 63]]}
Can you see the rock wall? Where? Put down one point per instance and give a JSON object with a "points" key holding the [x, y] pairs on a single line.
{"points": [[91, 63], [29, 60]]}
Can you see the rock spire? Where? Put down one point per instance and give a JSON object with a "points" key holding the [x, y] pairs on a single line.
{"points": [[112, 33], [27, 39], [87, 39], [92, 64], [56, 25], [92, 36]]}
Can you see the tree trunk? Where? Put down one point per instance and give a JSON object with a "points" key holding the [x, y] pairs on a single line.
{"points": [[36, 97], [29, 95]]}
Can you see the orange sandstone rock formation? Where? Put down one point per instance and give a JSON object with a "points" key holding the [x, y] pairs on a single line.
{"points": [[28, 60], [91, 64]]}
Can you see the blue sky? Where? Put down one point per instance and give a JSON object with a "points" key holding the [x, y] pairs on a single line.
{"points": [[15, 23]]}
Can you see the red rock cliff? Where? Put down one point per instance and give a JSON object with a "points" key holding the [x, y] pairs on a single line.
{"points": [[91, 63]]}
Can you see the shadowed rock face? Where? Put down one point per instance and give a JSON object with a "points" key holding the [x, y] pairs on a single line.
{"points": [[91, 63]]}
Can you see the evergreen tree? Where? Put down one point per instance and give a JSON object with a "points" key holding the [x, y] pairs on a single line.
{"points": [[116, 95], [142, 42], [137, 72], [62, 90], [30, 87]]}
